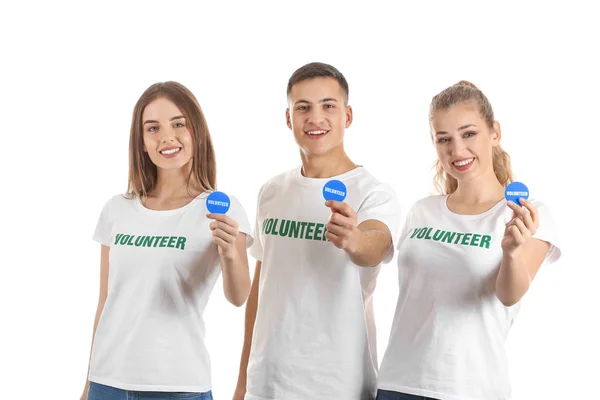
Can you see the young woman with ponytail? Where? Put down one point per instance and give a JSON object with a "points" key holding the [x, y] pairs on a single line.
{"points": [[466, 258]]}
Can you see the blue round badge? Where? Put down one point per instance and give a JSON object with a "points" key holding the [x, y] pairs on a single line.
{"points": [[217, 203], [334, 190], [515, 191]]}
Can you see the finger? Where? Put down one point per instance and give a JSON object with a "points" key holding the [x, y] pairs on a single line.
{"points": [[336, 229], [523, 214], [519, 210], [219, 233], [516, 222], [232, 230], [528, 220], [533, 211], [340, 220], [333, 238], [514, 208], [340, 207], [512, 221], [516, 234], [508, 227], [223, 218], [220, 242], [520, 225]]}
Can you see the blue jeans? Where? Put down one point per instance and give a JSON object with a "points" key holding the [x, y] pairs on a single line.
{"points": [[388, 395], [102, 392]]}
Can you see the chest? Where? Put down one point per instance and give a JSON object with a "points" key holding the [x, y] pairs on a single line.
{"points": [[150, 246], [446, 249], [298, 214]]}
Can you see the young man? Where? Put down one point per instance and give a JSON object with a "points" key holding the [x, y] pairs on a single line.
{"points": [[310, 330]]}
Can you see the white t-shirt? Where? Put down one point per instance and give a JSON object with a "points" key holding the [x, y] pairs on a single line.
{"points": [[449, 331], [314, 335], [163, 267]]}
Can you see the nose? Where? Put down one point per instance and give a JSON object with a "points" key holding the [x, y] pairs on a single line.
{"points": [[167, 136], [315, 116], [457, 146]]}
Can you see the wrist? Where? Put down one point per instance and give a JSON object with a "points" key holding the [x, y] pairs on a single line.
{"points": [[354, 244], [511, 255], [230, 255]]}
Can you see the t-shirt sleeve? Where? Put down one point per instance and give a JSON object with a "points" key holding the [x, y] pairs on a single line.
{"points": [[382, 204], [103, 226], [547, 232], [256, 250], [406, 229], [238, 213]]}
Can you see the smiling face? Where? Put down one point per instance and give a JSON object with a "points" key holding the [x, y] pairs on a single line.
{"points": [[166, 137], [318, 115], [464, 141]]}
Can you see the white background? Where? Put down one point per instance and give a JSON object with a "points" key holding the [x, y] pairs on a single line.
{"points": [[71, 74]]}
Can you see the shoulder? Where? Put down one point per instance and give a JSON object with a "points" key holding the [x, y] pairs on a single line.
{"points": [[426, 205], [368, 184], [114, 206], [430, 201], [365, 178], [283, 177], [278, 181], [118, 200]]}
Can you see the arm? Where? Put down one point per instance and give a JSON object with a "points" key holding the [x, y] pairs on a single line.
{"points": [[104, 265], [251, 308], [522, 255], [234, 259], [366, 244], [236, 277]]}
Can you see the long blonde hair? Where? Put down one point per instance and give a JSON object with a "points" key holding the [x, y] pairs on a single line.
{"points": [[142, 172], [466, 92]]}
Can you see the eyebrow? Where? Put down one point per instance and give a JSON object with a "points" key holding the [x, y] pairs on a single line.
{"points": [[326, 99], [151, 121], [460, 129]]}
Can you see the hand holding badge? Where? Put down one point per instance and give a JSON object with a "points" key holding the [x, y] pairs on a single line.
{"points": [[525, 220], [342, 227], [224, 228]]}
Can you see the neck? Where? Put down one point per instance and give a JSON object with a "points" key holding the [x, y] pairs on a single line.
{"points": [[482, 189], [172, 184], [331, 164]]}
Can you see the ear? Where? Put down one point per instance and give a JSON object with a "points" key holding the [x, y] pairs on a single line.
{"points": [[288, 120], [496, 134], [349, 116]]}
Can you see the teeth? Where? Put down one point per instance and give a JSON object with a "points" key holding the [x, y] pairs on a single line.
{"points": [[316, 132], [168, 152], [464, 162]]}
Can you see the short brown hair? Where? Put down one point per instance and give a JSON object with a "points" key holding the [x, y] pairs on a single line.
{"points": [[466, 92], [319, 70], [142, 172]]}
